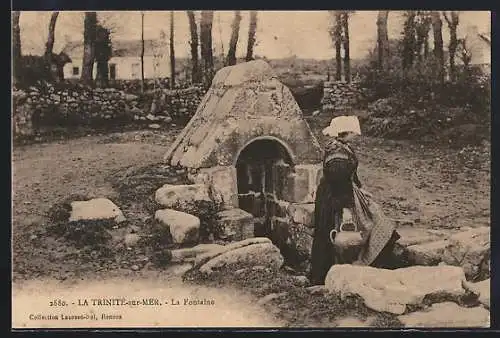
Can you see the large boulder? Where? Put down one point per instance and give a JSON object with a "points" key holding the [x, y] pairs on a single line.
{"points": [[236, 224], [258, 254], [183, 195], [95, 209], [482, 289], [184, 227], [430, 253], [203, 258], [447, 314], [393, 290], [468, 249]]}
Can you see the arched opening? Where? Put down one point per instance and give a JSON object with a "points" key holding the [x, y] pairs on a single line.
{"points": [[262, 169]]}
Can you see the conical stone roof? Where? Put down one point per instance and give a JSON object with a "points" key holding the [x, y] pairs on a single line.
{"points": [[245, 102]]}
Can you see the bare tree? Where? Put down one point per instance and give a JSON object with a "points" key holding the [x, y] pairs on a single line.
{"points": [[437, 30], [103, 52], [172, 51], [252, 29], [382, 38], [452, 19], [142, 52], [206, 44], [347, 58], [233, 42], [422, 28], [195, 70], [409, 40], [89, 37], [16, 47], [465, 54], [49, 45], [336, 34]]}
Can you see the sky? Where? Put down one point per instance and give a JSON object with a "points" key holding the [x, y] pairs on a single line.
{"points": [[279, 33]]}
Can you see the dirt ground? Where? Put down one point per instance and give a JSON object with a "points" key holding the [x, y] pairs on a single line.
{"points": [[418, 185]]}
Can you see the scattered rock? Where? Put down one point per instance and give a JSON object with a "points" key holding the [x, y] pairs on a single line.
{"points": [[265, 254], [468, 249], [413, 236], [430, 253], [447, 314], [270, 297], [135, 267], [131, 240], [154, 126], [300, 280], [392, 290], [181, 195], [240, 271], [203, 258], [184, 227], [95, 209], [189, 254], [317, 289], [236, 224]]}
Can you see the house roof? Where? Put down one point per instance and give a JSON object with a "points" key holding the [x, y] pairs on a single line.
{"points": [[120, 48]]}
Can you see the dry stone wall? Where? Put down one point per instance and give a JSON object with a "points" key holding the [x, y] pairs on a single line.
{"points": [[36, 109], [342, 95]]}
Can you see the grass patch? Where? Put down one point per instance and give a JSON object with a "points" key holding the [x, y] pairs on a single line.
{"points": [[139, 184]]}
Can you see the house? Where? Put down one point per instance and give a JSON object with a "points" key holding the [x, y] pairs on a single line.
{"points": [[125, 63], [478, 47]]}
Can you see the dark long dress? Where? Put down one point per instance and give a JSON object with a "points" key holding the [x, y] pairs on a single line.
{"points": [[333, 194]]}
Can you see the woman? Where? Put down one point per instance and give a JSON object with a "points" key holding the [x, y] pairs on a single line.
{"points": [[335, 192]]}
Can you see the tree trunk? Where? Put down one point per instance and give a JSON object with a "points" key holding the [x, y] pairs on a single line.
{"points": [[233, 42], [409, 41], [16, 47], [102, 55], [102, 75], [437, 30], [252, 28], [452, 47], [89, 37], [195, 70], [347, 58], [206, 44], [142, 52], [382, 39], [338, 45], [172, 51], [49, 45]]}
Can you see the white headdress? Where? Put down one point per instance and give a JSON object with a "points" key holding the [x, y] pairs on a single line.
{"points": [[343, 124]]}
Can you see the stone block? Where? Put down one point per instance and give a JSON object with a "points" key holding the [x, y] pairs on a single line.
{"points": [[223, 183], [184, 227], [301, 185], [302, 213], [468, 249], [413, 236], [181, 195], [385, 290], [430, 253], [95, 209], [236, 224]]}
